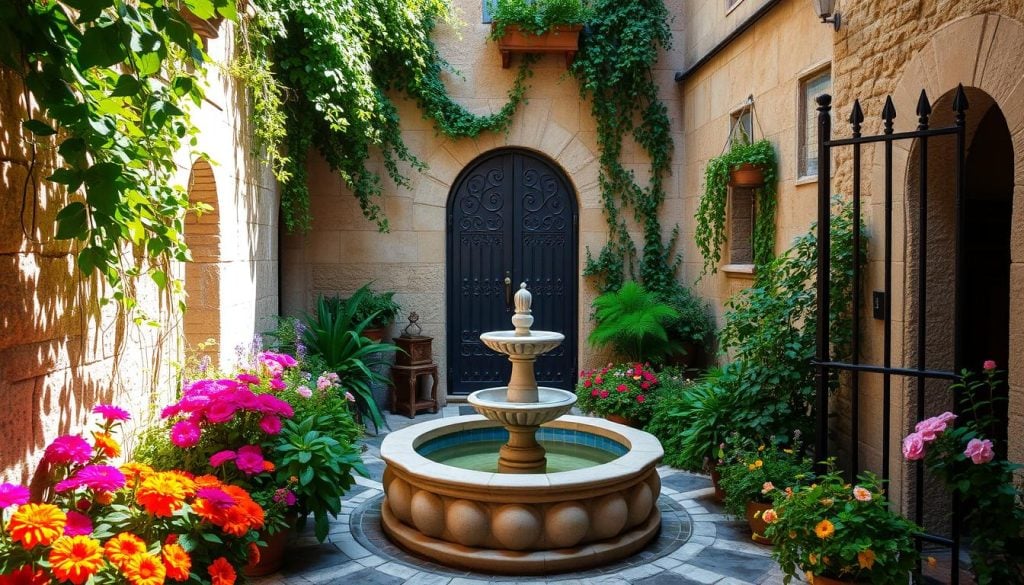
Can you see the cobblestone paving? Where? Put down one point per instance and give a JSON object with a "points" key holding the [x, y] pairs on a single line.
{"points": [[698, 543]]}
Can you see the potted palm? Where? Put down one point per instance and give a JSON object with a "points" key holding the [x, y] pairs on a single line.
{"points": [[539, 26]]}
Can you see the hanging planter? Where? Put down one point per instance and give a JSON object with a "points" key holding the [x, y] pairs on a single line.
{"points": [[559, 38], [747, 176], [540, 26]]}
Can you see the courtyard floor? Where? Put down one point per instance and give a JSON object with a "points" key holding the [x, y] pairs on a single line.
{"points": [[698, 543]]}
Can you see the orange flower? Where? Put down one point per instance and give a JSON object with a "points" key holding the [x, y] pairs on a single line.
{"points": [[145, 569], [221, 572], [824, 529], [104, 498], [27, 575], [135, 472], [932, 562], [75, 558], [866, 558], [254, 554], [268, 466], [810, 577], [33, 524], [107, 445], [205, 481], [122, 548], [177, 562], [161, 494]]}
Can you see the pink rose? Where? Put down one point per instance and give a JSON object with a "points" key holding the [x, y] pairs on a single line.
{"points": [[249, 459], [604, 394], [913, 447], [599, 380], [304, 391], [988, 365], [641, 399], [587, 383], [622, 388], [595, 392], [979, 450], [947, 417], [930, 428]]}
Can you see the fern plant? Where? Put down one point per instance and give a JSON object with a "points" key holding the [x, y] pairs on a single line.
{"points": [[632, 320]]}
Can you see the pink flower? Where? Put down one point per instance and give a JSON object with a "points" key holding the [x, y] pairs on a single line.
{"points": [[221, 457], [284, 495], [78, 524], [248, 379], [767, 487], [648, 376], [304, 391], [930, 428], [947, 417], [283, 359], [862, 494], [645, 385], [641, 399], [595, 392], [221, 411], [64, 485], [588, 383], [349, 397], [913, 447], [270, 424], [12, 495], [244, 398], [604, 394], [979, 450], [111, 413], [68, 449], [622, 388], [185, 434], [599, 380], [250, 459], [277, 384], [323, 383], [270, 404], [988, 365], [219, 498], [101, 478]]}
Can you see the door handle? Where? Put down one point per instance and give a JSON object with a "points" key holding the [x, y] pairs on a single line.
{"points": [[508, 291]]}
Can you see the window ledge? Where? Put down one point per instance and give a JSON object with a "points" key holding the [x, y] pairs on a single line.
{"points": [[806, 180], [740, 270]]}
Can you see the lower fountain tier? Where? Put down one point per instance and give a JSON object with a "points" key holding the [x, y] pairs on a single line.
{"points": [[522, 524]]}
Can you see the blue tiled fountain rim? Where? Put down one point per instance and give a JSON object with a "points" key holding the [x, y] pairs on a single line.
{"points": [[551, 435]]}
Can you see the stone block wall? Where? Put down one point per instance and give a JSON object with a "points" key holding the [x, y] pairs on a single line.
{"points": [[61, 352]]}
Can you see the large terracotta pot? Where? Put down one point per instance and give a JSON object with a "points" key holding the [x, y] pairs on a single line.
{"points": [[716, 481], [624, 421], [271, 555], [757, 524], [747, 176], [376, 334], [822, 580]]}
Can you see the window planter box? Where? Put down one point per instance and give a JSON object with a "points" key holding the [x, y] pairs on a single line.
{"points": [[559, 39]]}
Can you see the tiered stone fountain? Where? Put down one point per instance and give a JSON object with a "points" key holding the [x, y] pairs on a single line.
{"points": [[446, 498]]}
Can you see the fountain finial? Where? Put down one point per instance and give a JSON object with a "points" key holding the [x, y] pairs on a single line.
{"points": [[523, 318]]}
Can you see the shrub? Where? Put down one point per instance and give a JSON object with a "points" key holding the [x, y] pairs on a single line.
{"points": [[626, 390], [755, 474], [632, 322]]}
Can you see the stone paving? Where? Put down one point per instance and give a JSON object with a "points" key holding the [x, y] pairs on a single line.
{"points": [[698, 543]]}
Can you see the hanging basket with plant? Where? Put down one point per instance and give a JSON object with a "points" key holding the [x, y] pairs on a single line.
{"points": [[748, 165]]}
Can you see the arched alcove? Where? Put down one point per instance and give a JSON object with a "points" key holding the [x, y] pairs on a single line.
{"points": [[202, 275]]}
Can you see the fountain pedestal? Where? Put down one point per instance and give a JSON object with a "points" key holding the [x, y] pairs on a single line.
{"points": [[522, 453]]}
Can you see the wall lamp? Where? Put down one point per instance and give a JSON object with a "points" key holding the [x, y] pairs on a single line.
{"points": [[827, 12]]}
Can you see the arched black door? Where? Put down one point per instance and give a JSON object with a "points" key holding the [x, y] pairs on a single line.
{"points": [[511, 214]]}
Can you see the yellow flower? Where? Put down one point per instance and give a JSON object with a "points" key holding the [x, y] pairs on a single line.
{"points": [[75, 558], [812, 558], [33, 524], [827, 502], [866, 558], [824, 529], [810, 577], [787, 451], [107, 445], [760, 448], [758, 463], [751, 467]]}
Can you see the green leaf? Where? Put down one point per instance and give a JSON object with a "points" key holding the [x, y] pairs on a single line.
{"points": [[73, 151], [148, 63], [89, 10], [204, 9], [102, 187], [101, 47], [65, 176], [126, 86], [159, 277], [38, 128], [92, 258], [306, 476], [72, 222]]}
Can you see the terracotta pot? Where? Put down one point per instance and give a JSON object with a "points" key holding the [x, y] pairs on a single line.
{"points": [[758, 525], [822, 580], [558, 39], [716, 481], [747, 176], [376, 334], [271, 555], [623, 421]]}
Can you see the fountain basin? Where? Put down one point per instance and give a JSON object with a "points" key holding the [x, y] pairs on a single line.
{"points": [[532, 345], [521, 523], [493, 404]]}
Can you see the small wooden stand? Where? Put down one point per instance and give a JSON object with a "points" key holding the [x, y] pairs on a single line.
{"points": [[404, 392]]}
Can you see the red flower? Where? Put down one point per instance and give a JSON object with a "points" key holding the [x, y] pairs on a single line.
{"points": [[587, 383], [604, 394], [622, 388], [641, 399], [645, 385]]}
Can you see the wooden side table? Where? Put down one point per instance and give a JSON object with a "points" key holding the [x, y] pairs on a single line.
{"points": [[405, 381]]}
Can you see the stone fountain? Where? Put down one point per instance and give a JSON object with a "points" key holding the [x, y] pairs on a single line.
{"points": [[481, 491]]}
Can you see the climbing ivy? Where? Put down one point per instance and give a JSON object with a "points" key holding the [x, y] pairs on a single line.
{"points": [[113, 81], [613, 68], [337, 60]]}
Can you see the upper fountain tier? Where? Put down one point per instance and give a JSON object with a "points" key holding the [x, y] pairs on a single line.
{"points": [[522, 342]]}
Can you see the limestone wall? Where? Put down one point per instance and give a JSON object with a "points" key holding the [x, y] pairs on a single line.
{"points": [[60, 352], [344, 251]]}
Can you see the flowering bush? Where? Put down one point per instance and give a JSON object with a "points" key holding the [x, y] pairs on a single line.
{"points": [[967, 462], [128, 524], [626, 390], [834, 529], [755, 474]]}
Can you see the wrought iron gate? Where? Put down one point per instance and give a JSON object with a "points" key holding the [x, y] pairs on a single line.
{"points": [[826, 367]]}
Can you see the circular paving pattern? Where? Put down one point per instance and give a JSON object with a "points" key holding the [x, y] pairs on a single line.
{"points": [[365, 526]]}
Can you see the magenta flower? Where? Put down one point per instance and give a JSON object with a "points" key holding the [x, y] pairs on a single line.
{"points": [[221, 411], [248, 378], [645, 385], [217, 497], [249, 460], [270, 424], [13, 495], [78, 524], [641, 399], [595, 392], [277, 384], [284, 495], [988, 365], [185, 434], [221, 457], [101, 478], [283, 359], [979, 450], [64, 485], [913, 447], [270, 404], [68, 449], [604, 394], [111, 413], [622, 388]]}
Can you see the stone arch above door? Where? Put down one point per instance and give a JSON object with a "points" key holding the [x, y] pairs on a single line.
{"points": [[983, 52]]}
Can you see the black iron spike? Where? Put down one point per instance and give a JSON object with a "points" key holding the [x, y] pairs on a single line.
{"points": [[924, 110], [960, 105], [888, 114], [856, 118]]}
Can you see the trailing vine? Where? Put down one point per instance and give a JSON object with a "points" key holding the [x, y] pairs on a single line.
{"points": [[613, 68], [338, 60], [710, 233], [114, 80]]}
